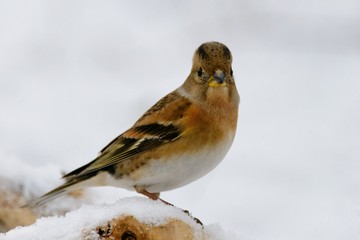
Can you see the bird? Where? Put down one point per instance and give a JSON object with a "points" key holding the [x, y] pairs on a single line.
{"points": [[181, 138]]}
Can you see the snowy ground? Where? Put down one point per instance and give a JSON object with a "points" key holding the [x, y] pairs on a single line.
{"points": [[82, 223], [73, 75]]}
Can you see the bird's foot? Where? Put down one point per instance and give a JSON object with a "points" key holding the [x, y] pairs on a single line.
{"points": [[156, 196]]}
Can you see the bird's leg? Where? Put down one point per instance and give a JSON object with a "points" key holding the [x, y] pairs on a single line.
{"points": [[153, 196], [156, 196]]}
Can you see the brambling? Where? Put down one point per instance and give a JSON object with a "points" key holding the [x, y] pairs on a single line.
{"points": [[178, 140]]}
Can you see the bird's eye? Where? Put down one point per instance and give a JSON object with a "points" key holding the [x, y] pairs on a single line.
{"points": [[200, 72], [231, 72]]}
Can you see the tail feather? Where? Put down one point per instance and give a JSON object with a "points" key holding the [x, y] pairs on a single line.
{"points": [[73, 182], [50, 195], [44, 199]]}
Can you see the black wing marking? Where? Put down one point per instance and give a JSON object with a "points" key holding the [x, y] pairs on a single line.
{"points": [[152, 136]]}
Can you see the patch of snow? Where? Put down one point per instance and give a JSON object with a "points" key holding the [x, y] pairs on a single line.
{"points": [[83, 221]]}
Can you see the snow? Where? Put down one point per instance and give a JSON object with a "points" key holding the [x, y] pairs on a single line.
{"points": [[83, 221], [74, 75]]}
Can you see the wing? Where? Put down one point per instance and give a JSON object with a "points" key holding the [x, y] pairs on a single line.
{"points": [[156, 127]]}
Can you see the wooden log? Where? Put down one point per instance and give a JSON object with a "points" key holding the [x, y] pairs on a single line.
{"points": [[129, 228]]}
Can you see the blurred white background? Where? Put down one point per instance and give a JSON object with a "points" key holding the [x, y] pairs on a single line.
{"points": [[75, 74]]}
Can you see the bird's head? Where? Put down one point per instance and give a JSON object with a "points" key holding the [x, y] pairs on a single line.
{"points": [[211, 75]]}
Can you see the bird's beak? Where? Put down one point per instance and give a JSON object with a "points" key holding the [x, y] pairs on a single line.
{"points": [[218, 79]]}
